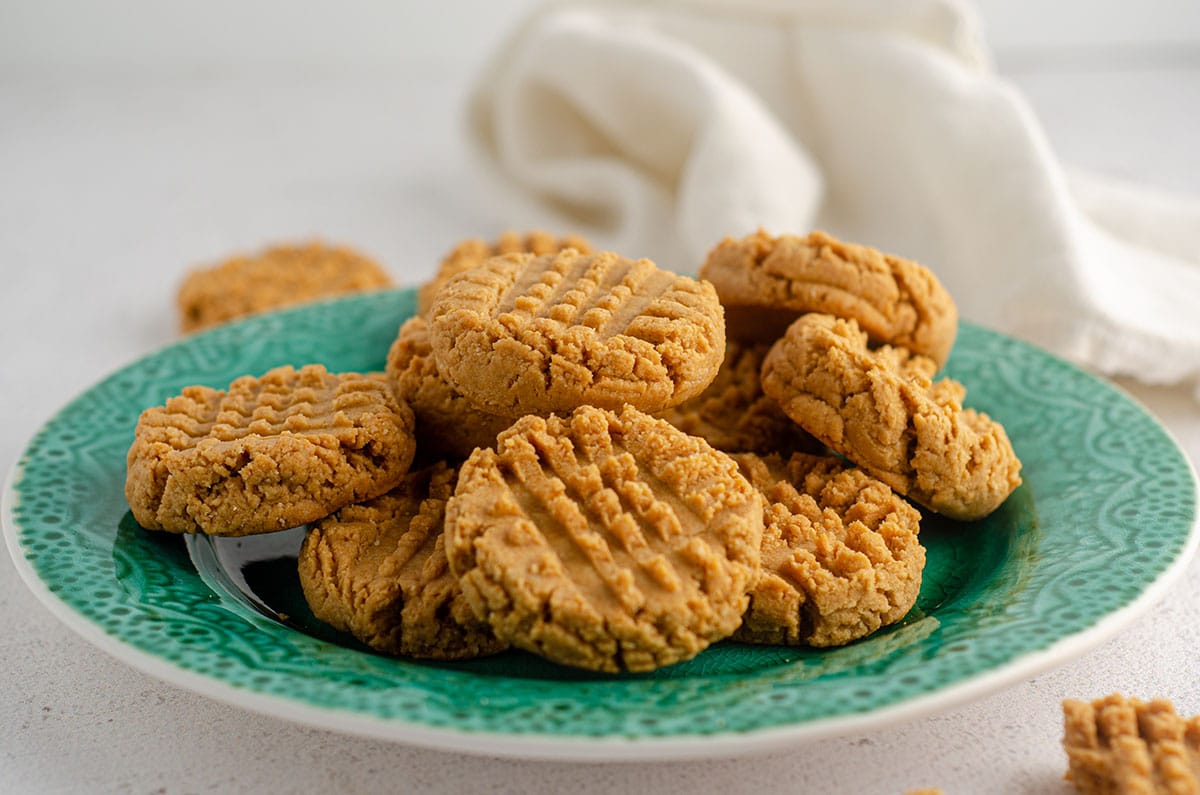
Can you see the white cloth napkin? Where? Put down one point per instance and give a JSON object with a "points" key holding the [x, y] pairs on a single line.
{"points": [[661, 128]]}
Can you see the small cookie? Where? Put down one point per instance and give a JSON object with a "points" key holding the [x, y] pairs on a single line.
{"points": [[532, 335], [378, 570], [604, 541], [733, 414], [270, 453], [1119, 745], [277, 277], [840, 553], [890, 420], [766, 282], [471, 253], [447, 424]]}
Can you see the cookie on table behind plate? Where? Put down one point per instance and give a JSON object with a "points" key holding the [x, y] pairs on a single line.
{"points": [[472, 253], [447, 423], [277, 277], [766, 282], [525, 335], [612, 542], [269, 453], [378, 570], [889, 419], [840, 553]]}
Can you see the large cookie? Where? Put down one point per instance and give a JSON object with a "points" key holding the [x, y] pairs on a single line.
{"points": [[270, 453], [447, 423], [277, 277], [604, 541], [1117, 745], [732, 413], [378, 570], [890, 420], [767, 282], [525, 335], [840, 553], [473, 252]]}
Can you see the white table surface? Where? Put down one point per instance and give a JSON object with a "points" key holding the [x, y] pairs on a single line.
{"points": [[112, 184]]}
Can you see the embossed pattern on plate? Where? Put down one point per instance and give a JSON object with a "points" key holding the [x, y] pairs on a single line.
{"points": [[1105, 517]]}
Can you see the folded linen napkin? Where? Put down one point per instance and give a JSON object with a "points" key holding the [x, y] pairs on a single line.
{"points": [[661, 128]]}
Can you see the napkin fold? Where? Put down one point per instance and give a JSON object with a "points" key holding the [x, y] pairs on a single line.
{"points": [[659, 129]]}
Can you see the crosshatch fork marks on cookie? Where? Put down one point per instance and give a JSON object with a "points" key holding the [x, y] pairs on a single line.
{"points": [[604, 293], [570, 329], [636, 552], [269, 453], [265, 406]]}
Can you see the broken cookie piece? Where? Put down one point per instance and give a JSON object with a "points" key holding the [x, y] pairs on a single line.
{"points": [[1117, 745]]}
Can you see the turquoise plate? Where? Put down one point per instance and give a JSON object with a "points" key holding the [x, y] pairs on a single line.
{"points": [[1104, 521]]}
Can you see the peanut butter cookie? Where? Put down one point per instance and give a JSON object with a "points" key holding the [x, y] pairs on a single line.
{"points": [[472, 253], [890, 420], [447, 424], [733, 414], [272, 279], [532, 335], [378, 570], [270, 453], [1117, 745], [612, 542], [767, 282], [840, 553]]}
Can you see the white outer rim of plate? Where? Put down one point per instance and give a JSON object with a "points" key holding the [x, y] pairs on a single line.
{"points": [[549, 747]]}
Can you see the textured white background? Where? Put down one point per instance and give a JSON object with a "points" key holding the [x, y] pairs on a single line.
{"points": [[139, 138]]}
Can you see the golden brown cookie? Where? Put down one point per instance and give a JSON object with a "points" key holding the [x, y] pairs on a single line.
{"points": [[890, 420], [378, 570], [733, 414], [277, 277], [1117, 745], [447, 424], [532, 335], [604, 541], [270, 453], [840, 553], [472, 253], [766, 282]]}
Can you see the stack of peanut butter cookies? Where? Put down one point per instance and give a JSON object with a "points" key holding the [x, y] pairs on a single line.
{"points": [[615, 465]]}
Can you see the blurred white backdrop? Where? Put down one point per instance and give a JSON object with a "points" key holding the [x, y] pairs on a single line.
{"points": [[230, 33], [1123, 71]]}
